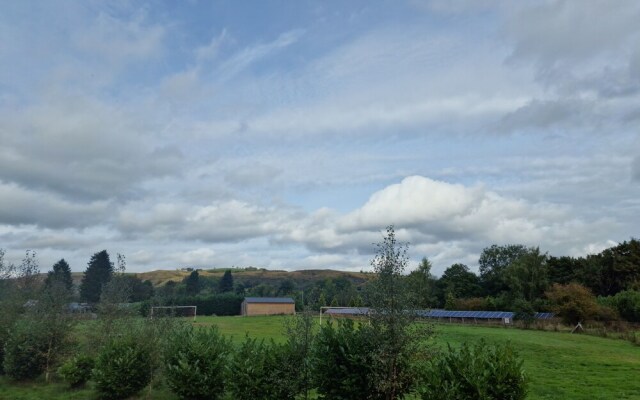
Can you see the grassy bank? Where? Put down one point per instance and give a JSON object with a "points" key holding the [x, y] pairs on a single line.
{"points": [[559, 365]]}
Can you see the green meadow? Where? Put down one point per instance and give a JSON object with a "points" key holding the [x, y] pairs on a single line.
{"points": [[559, 365]]}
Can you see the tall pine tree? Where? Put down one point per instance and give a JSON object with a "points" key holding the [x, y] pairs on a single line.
{"points": [[226, 283], [61, 273], [97, 274], [192, 283]]}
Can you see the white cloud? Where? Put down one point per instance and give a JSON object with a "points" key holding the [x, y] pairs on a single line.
{"points": [[452, 220], [250, 55], [118, 41]]}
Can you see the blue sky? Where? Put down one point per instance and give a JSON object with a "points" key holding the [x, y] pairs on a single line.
{"points": [[288, 134]]}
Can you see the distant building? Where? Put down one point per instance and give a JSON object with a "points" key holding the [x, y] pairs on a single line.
{"points": [[268, 306]]}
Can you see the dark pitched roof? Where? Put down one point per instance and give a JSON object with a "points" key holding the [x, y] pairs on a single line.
{"points": [[285, 300]]}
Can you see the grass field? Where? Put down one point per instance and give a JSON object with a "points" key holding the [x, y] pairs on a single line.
{"points": [[559, 365]]}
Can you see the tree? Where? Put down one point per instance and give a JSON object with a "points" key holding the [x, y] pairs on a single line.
{"points": [[140, 290], [620, 268], [573, 302], [300, 334], [322, 300], [460, 281], [493, 262], [287, 287], [17, 285], [527, 276], [97, 274], [562, 270], [61, 272], [41, 334], [422, 284], [392, 317], [226, 283], [192, 283]]}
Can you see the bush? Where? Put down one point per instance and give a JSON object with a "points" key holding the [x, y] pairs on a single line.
{"points": [[123, 368], [344, 361], [25, 351], [262, 371], [77, 370], [195, 362], [524, 312], [573, 302], [627, 303], [217, 304], [475, 372]]}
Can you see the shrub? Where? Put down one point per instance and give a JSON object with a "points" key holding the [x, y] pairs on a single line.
{"points": [[25, 351], [262, 371], [217, 304], [195, 362], [77, 370], [627, 303], [123, 368], [344, 361], [478, 372], [524, 312], [573, 302]]}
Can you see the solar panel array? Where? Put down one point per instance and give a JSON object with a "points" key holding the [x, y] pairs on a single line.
{"points": [[476, 314], [544, 315], [466, 314], [442, 313]]}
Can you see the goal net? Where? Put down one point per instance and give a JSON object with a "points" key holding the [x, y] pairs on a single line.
{"points": [[174, 311]]}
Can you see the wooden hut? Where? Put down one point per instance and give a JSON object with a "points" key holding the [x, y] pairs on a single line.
{"points": [[268, 306]]}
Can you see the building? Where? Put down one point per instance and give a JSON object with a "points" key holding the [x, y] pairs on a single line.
{"points": [[268, 306]]}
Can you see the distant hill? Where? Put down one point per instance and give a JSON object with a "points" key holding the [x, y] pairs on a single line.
{"points": [[251, 276]]}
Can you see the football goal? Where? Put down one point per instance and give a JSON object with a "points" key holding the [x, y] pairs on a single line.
{"points": [[174, 311]]}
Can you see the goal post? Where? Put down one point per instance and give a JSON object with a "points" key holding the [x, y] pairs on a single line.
{"points": [[163, 311]]}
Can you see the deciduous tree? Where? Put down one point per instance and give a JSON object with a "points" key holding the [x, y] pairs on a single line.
{"points": [[493, 263]]}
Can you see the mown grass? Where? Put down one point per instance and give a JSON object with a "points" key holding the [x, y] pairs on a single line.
{"points": [[559, 365]]}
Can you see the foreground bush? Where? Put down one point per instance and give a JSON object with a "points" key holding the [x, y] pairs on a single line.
{"points": [[478, 372], [77, 370], [344, 361], [195, 361], [123, 368], [25, 351], [263, 371]]}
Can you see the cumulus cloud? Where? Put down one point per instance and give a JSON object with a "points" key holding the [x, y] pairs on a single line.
{"points": [[448, 220]]}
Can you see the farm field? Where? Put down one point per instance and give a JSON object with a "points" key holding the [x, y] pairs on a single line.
{"points": [[559, 365]]}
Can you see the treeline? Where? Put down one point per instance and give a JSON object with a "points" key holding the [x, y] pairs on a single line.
{"points": [[389, 357], [523, 279]]}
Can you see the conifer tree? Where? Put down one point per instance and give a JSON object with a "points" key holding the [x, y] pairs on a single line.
{"points": [[192, 283], [226, 283], [61, 272], [97, 274]]}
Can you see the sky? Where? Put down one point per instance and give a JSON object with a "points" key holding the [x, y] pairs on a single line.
{"points": [[289, 134]]}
